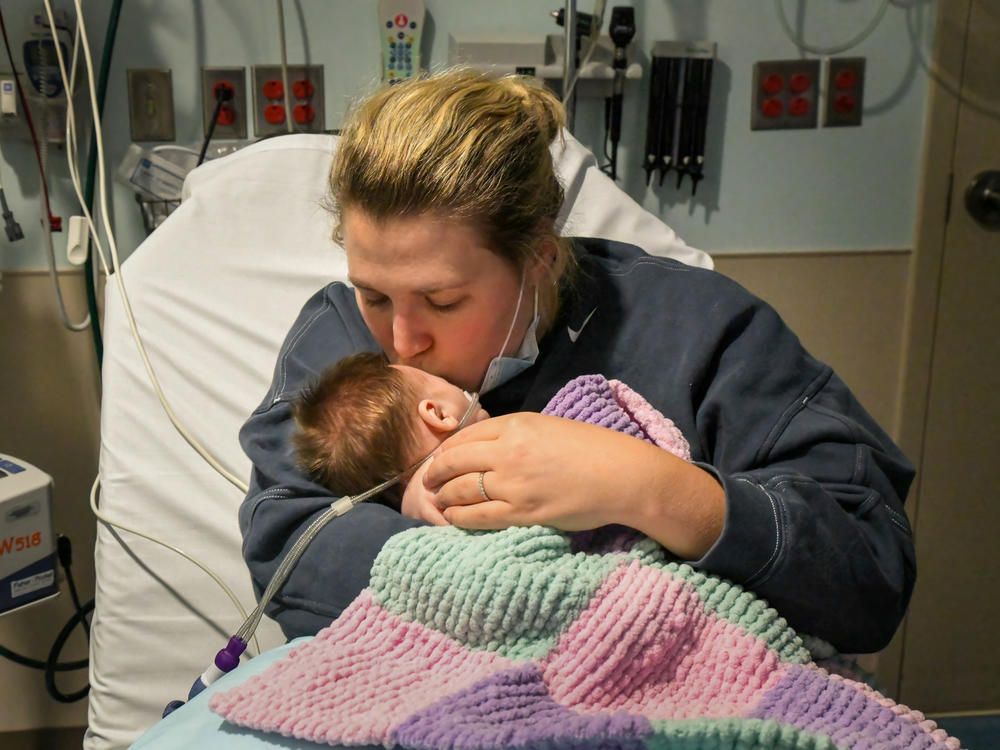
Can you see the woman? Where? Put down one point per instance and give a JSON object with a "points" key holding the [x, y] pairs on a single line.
{"points": [[445, 197]]}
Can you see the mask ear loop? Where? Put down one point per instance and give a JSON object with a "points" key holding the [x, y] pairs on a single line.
{"points": [[513, 320]]}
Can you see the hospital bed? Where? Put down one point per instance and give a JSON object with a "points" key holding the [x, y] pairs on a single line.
{"points": [[214, 290]]}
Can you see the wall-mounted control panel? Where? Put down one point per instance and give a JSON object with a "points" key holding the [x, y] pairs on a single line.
{"points": [[785, 94], [305, 98]]}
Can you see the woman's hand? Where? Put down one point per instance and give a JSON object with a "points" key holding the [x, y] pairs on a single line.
{"points": [[419, 502], [546, 470]]}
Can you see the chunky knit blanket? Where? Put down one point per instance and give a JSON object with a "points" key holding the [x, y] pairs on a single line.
{"points": [[514, 639]]}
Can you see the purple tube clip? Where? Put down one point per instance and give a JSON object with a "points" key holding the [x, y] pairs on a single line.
{"points": [[229, 658]]}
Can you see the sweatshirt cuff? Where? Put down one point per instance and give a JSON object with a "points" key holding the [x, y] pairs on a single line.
{"points": [[751, 537]]}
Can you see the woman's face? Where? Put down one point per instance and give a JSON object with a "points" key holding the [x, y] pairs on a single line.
{"points": [[433, 296]]}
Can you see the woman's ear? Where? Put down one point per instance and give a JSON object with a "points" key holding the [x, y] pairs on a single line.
{"points": [[542, 266], [436, 418]]}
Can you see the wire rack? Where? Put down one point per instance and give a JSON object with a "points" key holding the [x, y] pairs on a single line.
{"points": [[154, 212]]}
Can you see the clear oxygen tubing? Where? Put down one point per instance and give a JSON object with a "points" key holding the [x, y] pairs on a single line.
{"points": [[227, 659]]}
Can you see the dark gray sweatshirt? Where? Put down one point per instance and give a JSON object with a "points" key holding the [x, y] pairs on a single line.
{"points": [[814, 488]]}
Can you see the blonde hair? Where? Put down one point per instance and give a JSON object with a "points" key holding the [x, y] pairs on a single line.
{"points": [[464, 145], [356, 424]]}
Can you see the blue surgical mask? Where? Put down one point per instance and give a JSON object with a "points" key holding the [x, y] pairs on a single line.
{"points": [[502, 369]]}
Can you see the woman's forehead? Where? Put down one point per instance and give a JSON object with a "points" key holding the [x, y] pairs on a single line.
{"points": [[423, 253]]}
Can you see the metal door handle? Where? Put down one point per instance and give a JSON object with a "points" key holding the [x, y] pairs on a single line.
{"points": [[982, 198]]}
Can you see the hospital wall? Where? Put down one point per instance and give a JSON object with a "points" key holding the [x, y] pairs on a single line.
{"points": [[819, 222]]}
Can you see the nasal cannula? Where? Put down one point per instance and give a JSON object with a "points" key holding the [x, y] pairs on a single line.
{"points": [[229, 657]]}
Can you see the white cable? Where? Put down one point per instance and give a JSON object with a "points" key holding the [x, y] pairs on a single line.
{"points": [[837, 48], [113, 247], [69, 84], [43, 153], [212, 574], [284, 65], [71, 136]]}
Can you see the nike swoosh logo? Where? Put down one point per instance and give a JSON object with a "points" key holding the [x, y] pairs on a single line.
{"points": [[574, 335]]}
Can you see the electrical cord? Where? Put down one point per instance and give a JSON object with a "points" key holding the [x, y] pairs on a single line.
{"points": [[837, 48], [52, 665], [50, 253], [207, 570], [98, 140], [222, 95], [110, 34]]}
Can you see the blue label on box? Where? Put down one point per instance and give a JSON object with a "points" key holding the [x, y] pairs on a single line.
{"points": [[29, 584], [10, 467]]}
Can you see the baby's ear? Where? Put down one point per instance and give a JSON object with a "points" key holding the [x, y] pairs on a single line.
{"points": [[435, 417]]}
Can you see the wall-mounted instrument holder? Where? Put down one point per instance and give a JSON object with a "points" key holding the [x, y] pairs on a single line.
{"points": [[679, 93]]}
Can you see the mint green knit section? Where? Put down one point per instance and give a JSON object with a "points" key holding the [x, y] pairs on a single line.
{"points": [[512, 591], [730, 602], [733, 734]]}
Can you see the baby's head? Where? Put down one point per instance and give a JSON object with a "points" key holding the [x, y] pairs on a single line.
{"points": [[365, 421]]}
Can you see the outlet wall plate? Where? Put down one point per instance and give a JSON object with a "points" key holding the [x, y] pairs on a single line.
{"points": [[150, 104], [237, 78], [845, 89], [268, 89], [785, 94]]}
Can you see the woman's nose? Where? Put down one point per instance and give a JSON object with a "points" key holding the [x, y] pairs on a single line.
{"points": [[408, 337]]}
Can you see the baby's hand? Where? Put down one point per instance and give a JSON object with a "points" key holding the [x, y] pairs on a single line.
{"points": [[419, 502]]}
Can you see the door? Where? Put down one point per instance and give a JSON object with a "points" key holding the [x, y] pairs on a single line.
{"points": [[950, 657]]}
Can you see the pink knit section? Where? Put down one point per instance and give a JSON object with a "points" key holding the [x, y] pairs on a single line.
{"points": [[647, 645], [357, 679], [660, 429]]}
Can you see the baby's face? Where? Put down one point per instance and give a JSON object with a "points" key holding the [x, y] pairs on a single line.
{"points": [[448, 399]]}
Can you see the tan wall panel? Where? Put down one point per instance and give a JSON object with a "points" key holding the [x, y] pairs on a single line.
{"points": [[49, 404], [847, 308]]}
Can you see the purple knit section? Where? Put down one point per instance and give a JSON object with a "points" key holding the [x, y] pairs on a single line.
{"points": [[596, 400], [589, 398], [513, 709], [810, 699]]}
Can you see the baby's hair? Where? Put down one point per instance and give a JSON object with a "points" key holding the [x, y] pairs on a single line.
{"points": [[463, 145], [355, 424]]}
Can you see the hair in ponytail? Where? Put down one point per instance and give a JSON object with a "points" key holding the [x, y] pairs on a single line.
{"points": [[460, 144]]}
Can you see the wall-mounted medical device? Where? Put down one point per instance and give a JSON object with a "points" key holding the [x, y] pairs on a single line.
{"points": [[401, 28], [27, 544], [680, 90]]}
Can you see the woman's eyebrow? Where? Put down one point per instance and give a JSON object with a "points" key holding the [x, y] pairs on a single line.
{"points": [[423, 290]]}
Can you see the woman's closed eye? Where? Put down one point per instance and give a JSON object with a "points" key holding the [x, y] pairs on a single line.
{"points": [[444, 306], [374, 300]]}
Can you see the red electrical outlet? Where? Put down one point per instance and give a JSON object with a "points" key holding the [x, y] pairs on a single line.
{"points": [[785, 94], [231, 121], [305, 91], [845, 86]]}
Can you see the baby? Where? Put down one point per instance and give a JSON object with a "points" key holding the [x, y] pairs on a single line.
{"points": [[365, 421]]}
